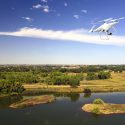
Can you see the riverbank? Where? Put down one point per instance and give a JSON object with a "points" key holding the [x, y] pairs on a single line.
{"points": [[79, 89], [33, 101]]}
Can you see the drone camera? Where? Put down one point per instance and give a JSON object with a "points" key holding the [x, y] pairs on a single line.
{"points": [[110, 34]]}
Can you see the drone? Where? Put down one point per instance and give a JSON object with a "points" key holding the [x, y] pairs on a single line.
{"points": [[105, 28]]}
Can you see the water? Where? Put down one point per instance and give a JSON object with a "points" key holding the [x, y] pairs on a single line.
{"points": [[66, 110]]}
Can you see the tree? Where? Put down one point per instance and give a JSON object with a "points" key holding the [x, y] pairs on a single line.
{"points": [[91, 76], [11, 88], [74, 81], [98, 101], [104, 75], [87, 90]]}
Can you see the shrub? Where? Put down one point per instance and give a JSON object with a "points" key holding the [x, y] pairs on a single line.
{"points": [[58, 78], [96, 110], [87, 90], [91, 76], [98, 101], [104, 75], [74, 81], [11, 88]]}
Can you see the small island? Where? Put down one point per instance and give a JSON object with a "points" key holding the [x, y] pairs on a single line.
{"points": [[100, 107], [33, 101]]}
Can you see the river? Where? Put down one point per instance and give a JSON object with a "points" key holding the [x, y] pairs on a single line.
{"points": [[66, 110]]}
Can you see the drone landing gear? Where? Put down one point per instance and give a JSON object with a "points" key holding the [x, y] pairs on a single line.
{"points": [[109, 34], [105, 35]]}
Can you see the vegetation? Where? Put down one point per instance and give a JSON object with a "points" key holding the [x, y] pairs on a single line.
{"points": [[48, 77], [98, 101], [58, 78], [21, 77], [91, 76], [61, 68], [100, 75], [87, 90], [104, 75], [96, 110], [11, 88]]}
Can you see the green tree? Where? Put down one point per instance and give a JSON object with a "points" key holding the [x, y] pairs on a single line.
{"points": [[104, 75], [91, 76], [74, 81], [98, 101], [11, 88]]}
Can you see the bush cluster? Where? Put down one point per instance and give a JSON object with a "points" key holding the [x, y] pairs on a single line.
{"points": [[58, 78], [11, 88], [98, 101], [96, 76], [96, 110]]}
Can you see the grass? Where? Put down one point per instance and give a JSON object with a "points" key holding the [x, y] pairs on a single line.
{"points": [[60, 89], [116, 78], [115, 84]]}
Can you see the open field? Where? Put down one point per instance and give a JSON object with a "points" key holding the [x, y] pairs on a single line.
{"points": [[115, 84]]}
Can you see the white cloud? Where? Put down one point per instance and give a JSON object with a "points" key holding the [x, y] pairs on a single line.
{"points": [[79, 35], [27, 18], [37, 6], [44, 1], [65, 4], [84, 11], [76, 16], [45, 8]]}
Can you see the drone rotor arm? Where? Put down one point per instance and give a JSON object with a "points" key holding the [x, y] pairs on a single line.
{"points": [[91, 30]]}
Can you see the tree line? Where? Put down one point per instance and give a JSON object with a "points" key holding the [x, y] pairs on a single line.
{"points": [[52, 78], [61, 68], [100, 75]]}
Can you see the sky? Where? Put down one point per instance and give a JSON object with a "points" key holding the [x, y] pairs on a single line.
{"points": [[57, 32]]}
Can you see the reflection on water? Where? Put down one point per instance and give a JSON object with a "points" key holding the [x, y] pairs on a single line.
{"points": [[6, 101], [73, 96], [87, 95], [66, 110]]}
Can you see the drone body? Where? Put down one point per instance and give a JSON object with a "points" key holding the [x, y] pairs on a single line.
{"points": [[106, 26]]}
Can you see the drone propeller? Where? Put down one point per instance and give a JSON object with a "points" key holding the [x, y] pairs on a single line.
{"points": [[121, 18], [106, 20], [114, 29], [117, 19]]}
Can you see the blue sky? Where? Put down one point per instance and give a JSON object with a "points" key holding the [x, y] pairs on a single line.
{"points": [[53, 32]]}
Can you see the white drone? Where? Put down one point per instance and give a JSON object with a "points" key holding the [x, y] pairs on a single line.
{"points": [[106, 27]]}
